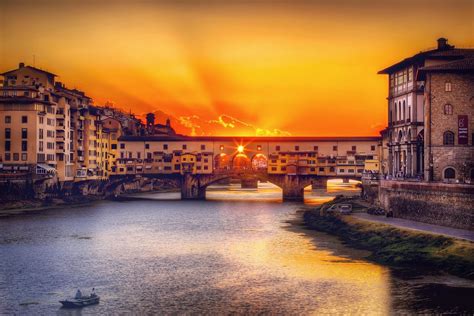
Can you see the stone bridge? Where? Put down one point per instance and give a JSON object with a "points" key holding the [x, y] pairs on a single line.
{"points": [[193, 186]]}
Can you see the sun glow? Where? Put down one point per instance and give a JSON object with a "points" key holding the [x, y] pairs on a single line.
{"points": [[240, 149]]}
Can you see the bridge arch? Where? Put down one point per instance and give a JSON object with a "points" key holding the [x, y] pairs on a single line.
{"points": [[259, 162], [241, 162], [222, 162]]}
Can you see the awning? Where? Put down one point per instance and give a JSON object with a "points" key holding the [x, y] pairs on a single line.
{"points": [[47, 168]]}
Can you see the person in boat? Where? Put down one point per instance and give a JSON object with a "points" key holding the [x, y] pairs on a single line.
{"points": [[78, 294], [93, 292]]}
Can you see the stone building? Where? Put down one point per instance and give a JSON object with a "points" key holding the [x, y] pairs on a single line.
{"points": [[406, 109], [449, 112]]}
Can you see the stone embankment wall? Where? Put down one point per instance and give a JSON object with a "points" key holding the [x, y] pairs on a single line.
{"points": [[435, 203], [49, 188]]}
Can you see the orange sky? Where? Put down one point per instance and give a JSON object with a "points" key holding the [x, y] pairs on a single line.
{"points": [[250, 67]]}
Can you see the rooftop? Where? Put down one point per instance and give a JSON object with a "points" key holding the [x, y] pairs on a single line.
{"points": [[444, 51]]}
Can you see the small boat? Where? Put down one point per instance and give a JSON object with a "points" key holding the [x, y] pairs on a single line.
{"points": [[80, 302]]}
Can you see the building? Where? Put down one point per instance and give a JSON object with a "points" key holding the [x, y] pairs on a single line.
{"points": [[407, 110], [330, 157], [29, 111], [48, 129], [449, 113]]}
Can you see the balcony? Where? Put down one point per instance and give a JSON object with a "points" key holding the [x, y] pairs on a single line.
{"points": [[60, 138]]}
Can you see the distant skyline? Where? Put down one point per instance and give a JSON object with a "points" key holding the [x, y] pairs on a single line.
{"points": [[240, 68]]}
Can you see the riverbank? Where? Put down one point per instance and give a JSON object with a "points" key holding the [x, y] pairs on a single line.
{"points": [[11, 208], [394, 246]]}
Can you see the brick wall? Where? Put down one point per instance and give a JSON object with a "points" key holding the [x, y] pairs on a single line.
{"points": [[434, 203], [461, 98]]}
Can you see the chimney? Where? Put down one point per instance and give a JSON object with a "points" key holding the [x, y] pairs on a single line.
{"points": [[21, 65], [443, 43]]}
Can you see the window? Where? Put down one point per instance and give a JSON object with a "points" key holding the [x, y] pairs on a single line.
{"points": [[447, 86], [341, 170], [448, 109], [372, 147], [354, 148], [315, 148], [113, 146], [8, 119], [274, 168], [16, 156], [297, 148], [24, 119], [448, 138], [334, 148], [24, 133], [8, 133], [449, 173], [41, 146], [185, 147], [350, 170], [277, 148], [203, 147], [139, 155], [24, 145], [7, 145], [165, 146], [41, 120], [321, 169], [122, 146], [147, 146]]}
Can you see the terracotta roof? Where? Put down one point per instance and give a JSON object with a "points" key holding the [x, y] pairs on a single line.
{"points": [[465, 65], [445, 54], [248, 138], [31, 67], [462, 65]]}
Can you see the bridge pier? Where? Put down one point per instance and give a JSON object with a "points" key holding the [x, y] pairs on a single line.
{"points": [[249, 183], [320, 183], [191, 188], [292, 187]]}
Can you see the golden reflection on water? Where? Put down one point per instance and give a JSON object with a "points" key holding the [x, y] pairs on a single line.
{"points": [[295, 255]]}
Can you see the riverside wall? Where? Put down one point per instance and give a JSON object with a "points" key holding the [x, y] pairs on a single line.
{"points": [[434, 203]]}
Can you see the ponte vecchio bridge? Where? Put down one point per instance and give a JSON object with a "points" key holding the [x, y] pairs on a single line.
{"points": [[291, 163]]}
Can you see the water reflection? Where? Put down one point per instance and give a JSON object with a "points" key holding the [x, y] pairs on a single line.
{"points": [[234, 253]]}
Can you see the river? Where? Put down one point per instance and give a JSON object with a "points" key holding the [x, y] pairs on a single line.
{"points": [[234, 253]]}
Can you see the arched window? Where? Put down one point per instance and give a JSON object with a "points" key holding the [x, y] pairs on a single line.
{"points": [[448, 138], [448, 109], [447, 86], [400, 136], [403, 106], [449, 173]]}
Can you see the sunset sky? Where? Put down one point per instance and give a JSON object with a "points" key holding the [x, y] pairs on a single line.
{"points": [[233, 67]]}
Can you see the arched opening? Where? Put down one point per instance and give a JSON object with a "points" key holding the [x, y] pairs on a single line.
{"points": [[400, 136], [448, 138], [221, 162], [241, 162], [449, 173], [420, 140], [259, 162]]}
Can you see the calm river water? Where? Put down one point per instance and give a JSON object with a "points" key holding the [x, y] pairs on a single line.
{"points": [[234, 253]]}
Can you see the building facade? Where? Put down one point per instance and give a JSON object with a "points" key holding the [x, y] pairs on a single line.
{"points": [[47, 129], [334, 157], [449, 136]]}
